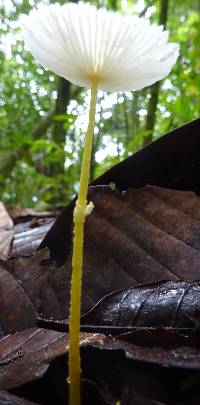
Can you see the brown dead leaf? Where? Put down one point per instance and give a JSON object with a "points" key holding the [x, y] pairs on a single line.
{"points": [[30, 287], [8, 399], [25, 356], [17, 311], [135, 237], [165, 354], [6, 232], [132, 372], [5, 220], [24, 237], [28, 236], [139, 236], [174, 304], [171, 161], [19, 215]]}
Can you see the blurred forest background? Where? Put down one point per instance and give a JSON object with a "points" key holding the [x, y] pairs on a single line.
{"points": [[43, 117]]}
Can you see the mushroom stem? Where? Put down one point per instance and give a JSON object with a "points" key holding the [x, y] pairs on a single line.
{"points": [[81, 210]]}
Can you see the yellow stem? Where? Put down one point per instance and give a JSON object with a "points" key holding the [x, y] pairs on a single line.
{"points": [[82, 209]]}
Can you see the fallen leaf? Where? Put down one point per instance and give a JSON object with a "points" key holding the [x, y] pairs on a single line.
{"points": [[134, 237], [6, 232], [28, 236], [143, 372], [30, 287], [131, 397], [20, 215], [125, 247], [17, 311], [25, 356], [8, 399], [33, 365], [171, 161], [165, 303], [164, 354]]}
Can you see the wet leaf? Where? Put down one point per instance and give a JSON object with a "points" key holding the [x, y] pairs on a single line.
{"points": [[162, 304]]}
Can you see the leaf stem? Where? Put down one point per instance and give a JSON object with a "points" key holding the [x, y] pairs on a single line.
{"points": [[81, 210]]}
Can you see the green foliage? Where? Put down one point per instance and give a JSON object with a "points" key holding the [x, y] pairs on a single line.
{"points": [[28, 147]]}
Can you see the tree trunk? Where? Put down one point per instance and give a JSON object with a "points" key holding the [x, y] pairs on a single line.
{"points": [[59, 132], [42, 126], [95, 147], [154, 90], [135, 113], [126, 118]]}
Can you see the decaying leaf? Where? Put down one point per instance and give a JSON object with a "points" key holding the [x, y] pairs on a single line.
{"points": [[123, 367], [28, 236], [6, 232], [131, 397], [171, 161], [127, 244], [8, 399], [17, 311], [22, 230], [30, 287], [140, 236], [5, 219], [33, 364], [25, 356], [165, 303], [20, 215], [163, 351]]}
